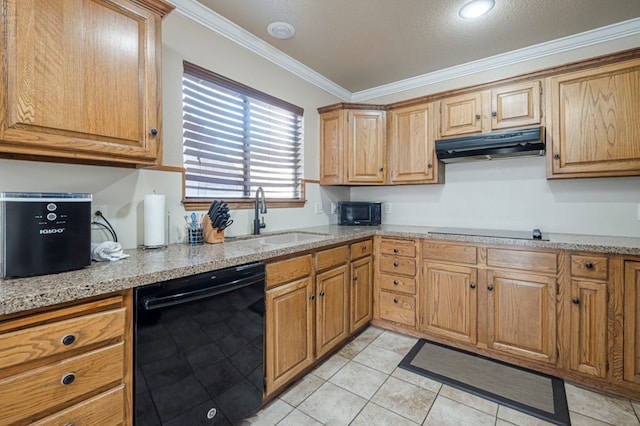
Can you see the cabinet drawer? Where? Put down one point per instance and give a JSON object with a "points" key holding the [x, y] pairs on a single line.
{"points": [[449, 252], [333, 257], [398, 283], [106, 409], [398, 247], [397, 308], [34, 391], [57, 337], [520, 259], [361, 249], [398, 265], [587, 266], [288, 270]]}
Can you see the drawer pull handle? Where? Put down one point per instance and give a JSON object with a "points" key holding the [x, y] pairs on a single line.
{"points": [[395, 264], [68, 339], [490, 287], [364, 247], [575, 301], [395, 300], [588, 265], [473, 285], [395, 250], [395, 282], [68, 378]]}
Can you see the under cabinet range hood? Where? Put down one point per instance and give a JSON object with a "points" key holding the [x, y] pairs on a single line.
{"points": [[489, 146]]}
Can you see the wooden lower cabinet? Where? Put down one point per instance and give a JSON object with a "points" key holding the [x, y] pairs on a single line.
{"points": [[332, 308], [68, 365], [361, 292], [631, 369]]}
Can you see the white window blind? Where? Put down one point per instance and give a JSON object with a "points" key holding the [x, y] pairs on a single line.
{"points": [[236, 139]]}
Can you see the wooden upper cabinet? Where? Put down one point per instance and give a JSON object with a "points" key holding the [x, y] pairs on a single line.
{"points": [[365, 147], [517, 105], [411, 146], [461, 115], [81, 80], [332, 163], [595, 129]]}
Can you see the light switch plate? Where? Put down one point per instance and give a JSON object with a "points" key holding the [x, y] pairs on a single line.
{"points": [[387, 208]]}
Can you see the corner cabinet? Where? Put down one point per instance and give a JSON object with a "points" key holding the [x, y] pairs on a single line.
{"points": [[81, 81], [595, 128], [352, 145], [412, 157]]}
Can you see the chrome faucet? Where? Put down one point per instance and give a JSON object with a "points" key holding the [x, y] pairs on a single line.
{"points": [[257, 225]]}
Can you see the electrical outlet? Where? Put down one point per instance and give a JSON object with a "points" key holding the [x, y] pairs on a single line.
{"points": [[319, 208], [334, 208], [101, 207], [387, 208]]}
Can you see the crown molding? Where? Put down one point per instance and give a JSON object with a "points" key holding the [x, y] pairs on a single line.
{"points": [[201, 14], [561, 45]]}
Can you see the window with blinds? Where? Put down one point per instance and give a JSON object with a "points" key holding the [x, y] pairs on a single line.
{"points": [[237, 139]]}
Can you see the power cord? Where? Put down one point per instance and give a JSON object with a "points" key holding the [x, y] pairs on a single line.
{"points": [[108, 226]]}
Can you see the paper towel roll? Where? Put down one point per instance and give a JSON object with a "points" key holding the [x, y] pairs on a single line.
{"points": [[154, 220]]}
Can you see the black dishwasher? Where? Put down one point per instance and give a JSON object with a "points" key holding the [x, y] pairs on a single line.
{"points": [[199, 348]]}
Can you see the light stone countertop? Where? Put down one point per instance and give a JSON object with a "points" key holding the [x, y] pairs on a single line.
{"points": [[179, 260]]}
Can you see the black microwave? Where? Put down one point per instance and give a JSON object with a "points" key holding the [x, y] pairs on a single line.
{"points": [[359, 213]]}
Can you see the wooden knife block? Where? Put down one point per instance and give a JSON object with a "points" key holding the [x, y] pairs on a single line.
{"points": [[211, 235]]}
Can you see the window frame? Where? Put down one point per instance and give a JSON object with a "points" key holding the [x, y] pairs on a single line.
{"points": [[245, 202]]}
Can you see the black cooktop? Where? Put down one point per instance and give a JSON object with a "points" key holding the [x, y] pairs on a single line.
{"points": [[496, 233]]}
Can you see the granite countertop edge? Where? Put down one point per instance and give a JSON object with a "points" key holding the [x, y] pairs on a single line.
{"points": [[178, 260]]}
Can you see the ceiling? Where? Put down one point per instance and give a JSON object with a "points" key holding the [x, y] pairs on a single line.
{"points": [[358, 45]]}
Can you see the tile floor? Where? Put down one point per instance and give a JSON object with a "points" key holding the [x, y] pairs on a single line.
{"points": [[361, 385]]}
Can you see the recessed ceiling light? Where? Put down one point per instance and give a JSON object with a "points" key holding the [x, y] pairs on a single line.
{"points": [[476, 8], [281, 30]]}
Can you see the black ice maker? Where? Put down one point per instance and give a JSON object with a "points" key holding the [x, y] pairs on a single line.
{"points": [[44, 233]]}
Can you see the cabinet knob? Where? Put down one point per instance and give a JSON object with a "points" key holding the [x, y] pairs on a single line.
{"points": [[588, 265], [494, 113], [312, 297], [477, 116], [429, 166], [381, 169], [556, 156], [355, 278], [68, 378], [473, 285], [364, 247], [490, 287], [395, 282], [575, 301], [69, 424], [322, 293], [68, 339], [395, 300], [395, 264], [395, 250], [153, 132]]}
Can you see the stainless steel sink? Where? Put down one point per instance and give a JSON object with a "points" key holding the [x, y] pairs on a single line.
{"points": [[281, 239]]}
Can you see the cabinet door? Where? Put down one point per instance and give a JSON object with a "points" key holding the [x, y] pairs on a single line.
{"points": [[332, 162], [588, 329], [289, 336], [522, 314], [82, 80], [632, 322], [517, 105], [460, 115], [361, 292], [332, 309], [450, 296], [366, 147], [412, 152], [595, 122]]}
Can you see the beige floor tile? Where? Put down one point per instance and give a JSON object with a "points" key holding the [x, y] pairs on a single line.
{"points": [[447, 412], [379, 358], [501, 422], [578, 419], [353, 348], [395, 342], [332, 405], [408, 400], [636, 407], [301, 390], [370, 334], [359, 379], [373, 414], [298, 418], [330, 367], [606, 408], [519, 418], [416, 379], [471, 400], [270, 415]]}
